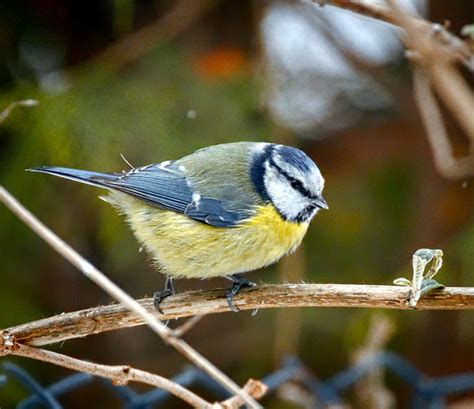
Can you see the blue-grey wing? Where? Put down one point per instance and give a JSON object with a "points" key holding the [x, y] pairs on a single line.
{"points": [[166, 186]]}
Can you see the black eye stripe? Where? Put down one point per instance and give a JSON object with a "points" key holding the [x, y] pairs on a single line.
{"points": [[295, 184]]}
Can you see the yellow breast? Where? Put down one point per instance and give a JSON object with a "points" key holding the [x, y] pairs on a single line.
{"points": [[182, 247]]}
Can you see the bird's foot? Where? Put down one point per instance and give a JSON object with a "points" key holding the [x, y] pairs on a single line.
{"points": [[237, 283], [166, 292]]}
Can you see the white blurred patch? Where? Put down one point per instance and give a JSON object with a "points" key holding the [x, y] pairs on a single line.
{"points": [[43, 57], [196, 199], [191, 114], [311, 84]]}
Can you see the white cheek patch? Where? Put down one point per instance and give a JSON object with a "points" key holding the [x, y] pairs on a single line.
{"points": [[289, 202]]}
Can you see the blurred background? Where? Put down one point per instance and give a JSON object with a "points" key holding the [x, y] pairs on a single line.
{"points": [[154, 80]]}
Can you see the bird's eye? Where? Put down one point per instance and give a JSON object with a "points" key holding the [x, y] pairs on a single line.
{"points": [[296, 184]]}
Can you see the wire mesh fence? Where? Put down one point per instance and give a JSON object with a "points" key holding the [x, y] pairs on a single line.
{"points": [[427, 392]]}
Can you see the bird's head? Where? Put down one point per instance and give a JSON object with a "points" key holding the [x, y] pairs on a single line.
{"points": [[289, 179]]}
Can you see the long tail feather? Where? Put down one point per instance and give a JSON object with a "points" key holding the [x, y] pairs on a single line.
{"points": [[83, 176]]}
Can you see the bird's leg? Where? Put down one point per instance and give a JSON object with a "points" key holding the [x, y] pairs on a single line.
{"points": [[166, 292], [237, 283]]}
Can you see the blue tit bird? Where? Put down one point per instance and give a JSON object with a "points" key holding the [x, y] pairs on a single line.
{"points": [[218, 212]]}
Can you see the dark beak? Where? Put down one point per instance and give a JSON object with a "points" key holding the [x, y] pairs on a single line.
{"points": [[321, 203]]}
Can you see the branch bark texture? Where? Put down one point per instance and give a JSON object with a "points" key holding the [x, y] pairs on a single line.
{"points": [[118, 374], [112, 317]]}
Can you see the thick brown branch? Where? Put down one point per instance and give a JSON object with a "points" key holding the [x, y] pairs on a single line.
{"points": [[107, 318]]}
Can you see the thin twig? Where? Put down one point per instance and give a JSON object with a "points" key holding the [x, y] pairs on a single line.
{"points": [[136, 45], [445, 162], [371, 390], [187, 326], [23, 103], [386, 14], [253, 387], [447, 81], [436, 50], [298, 395], [117, 293], [456, 94], [119, 374], [96, 320]]}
